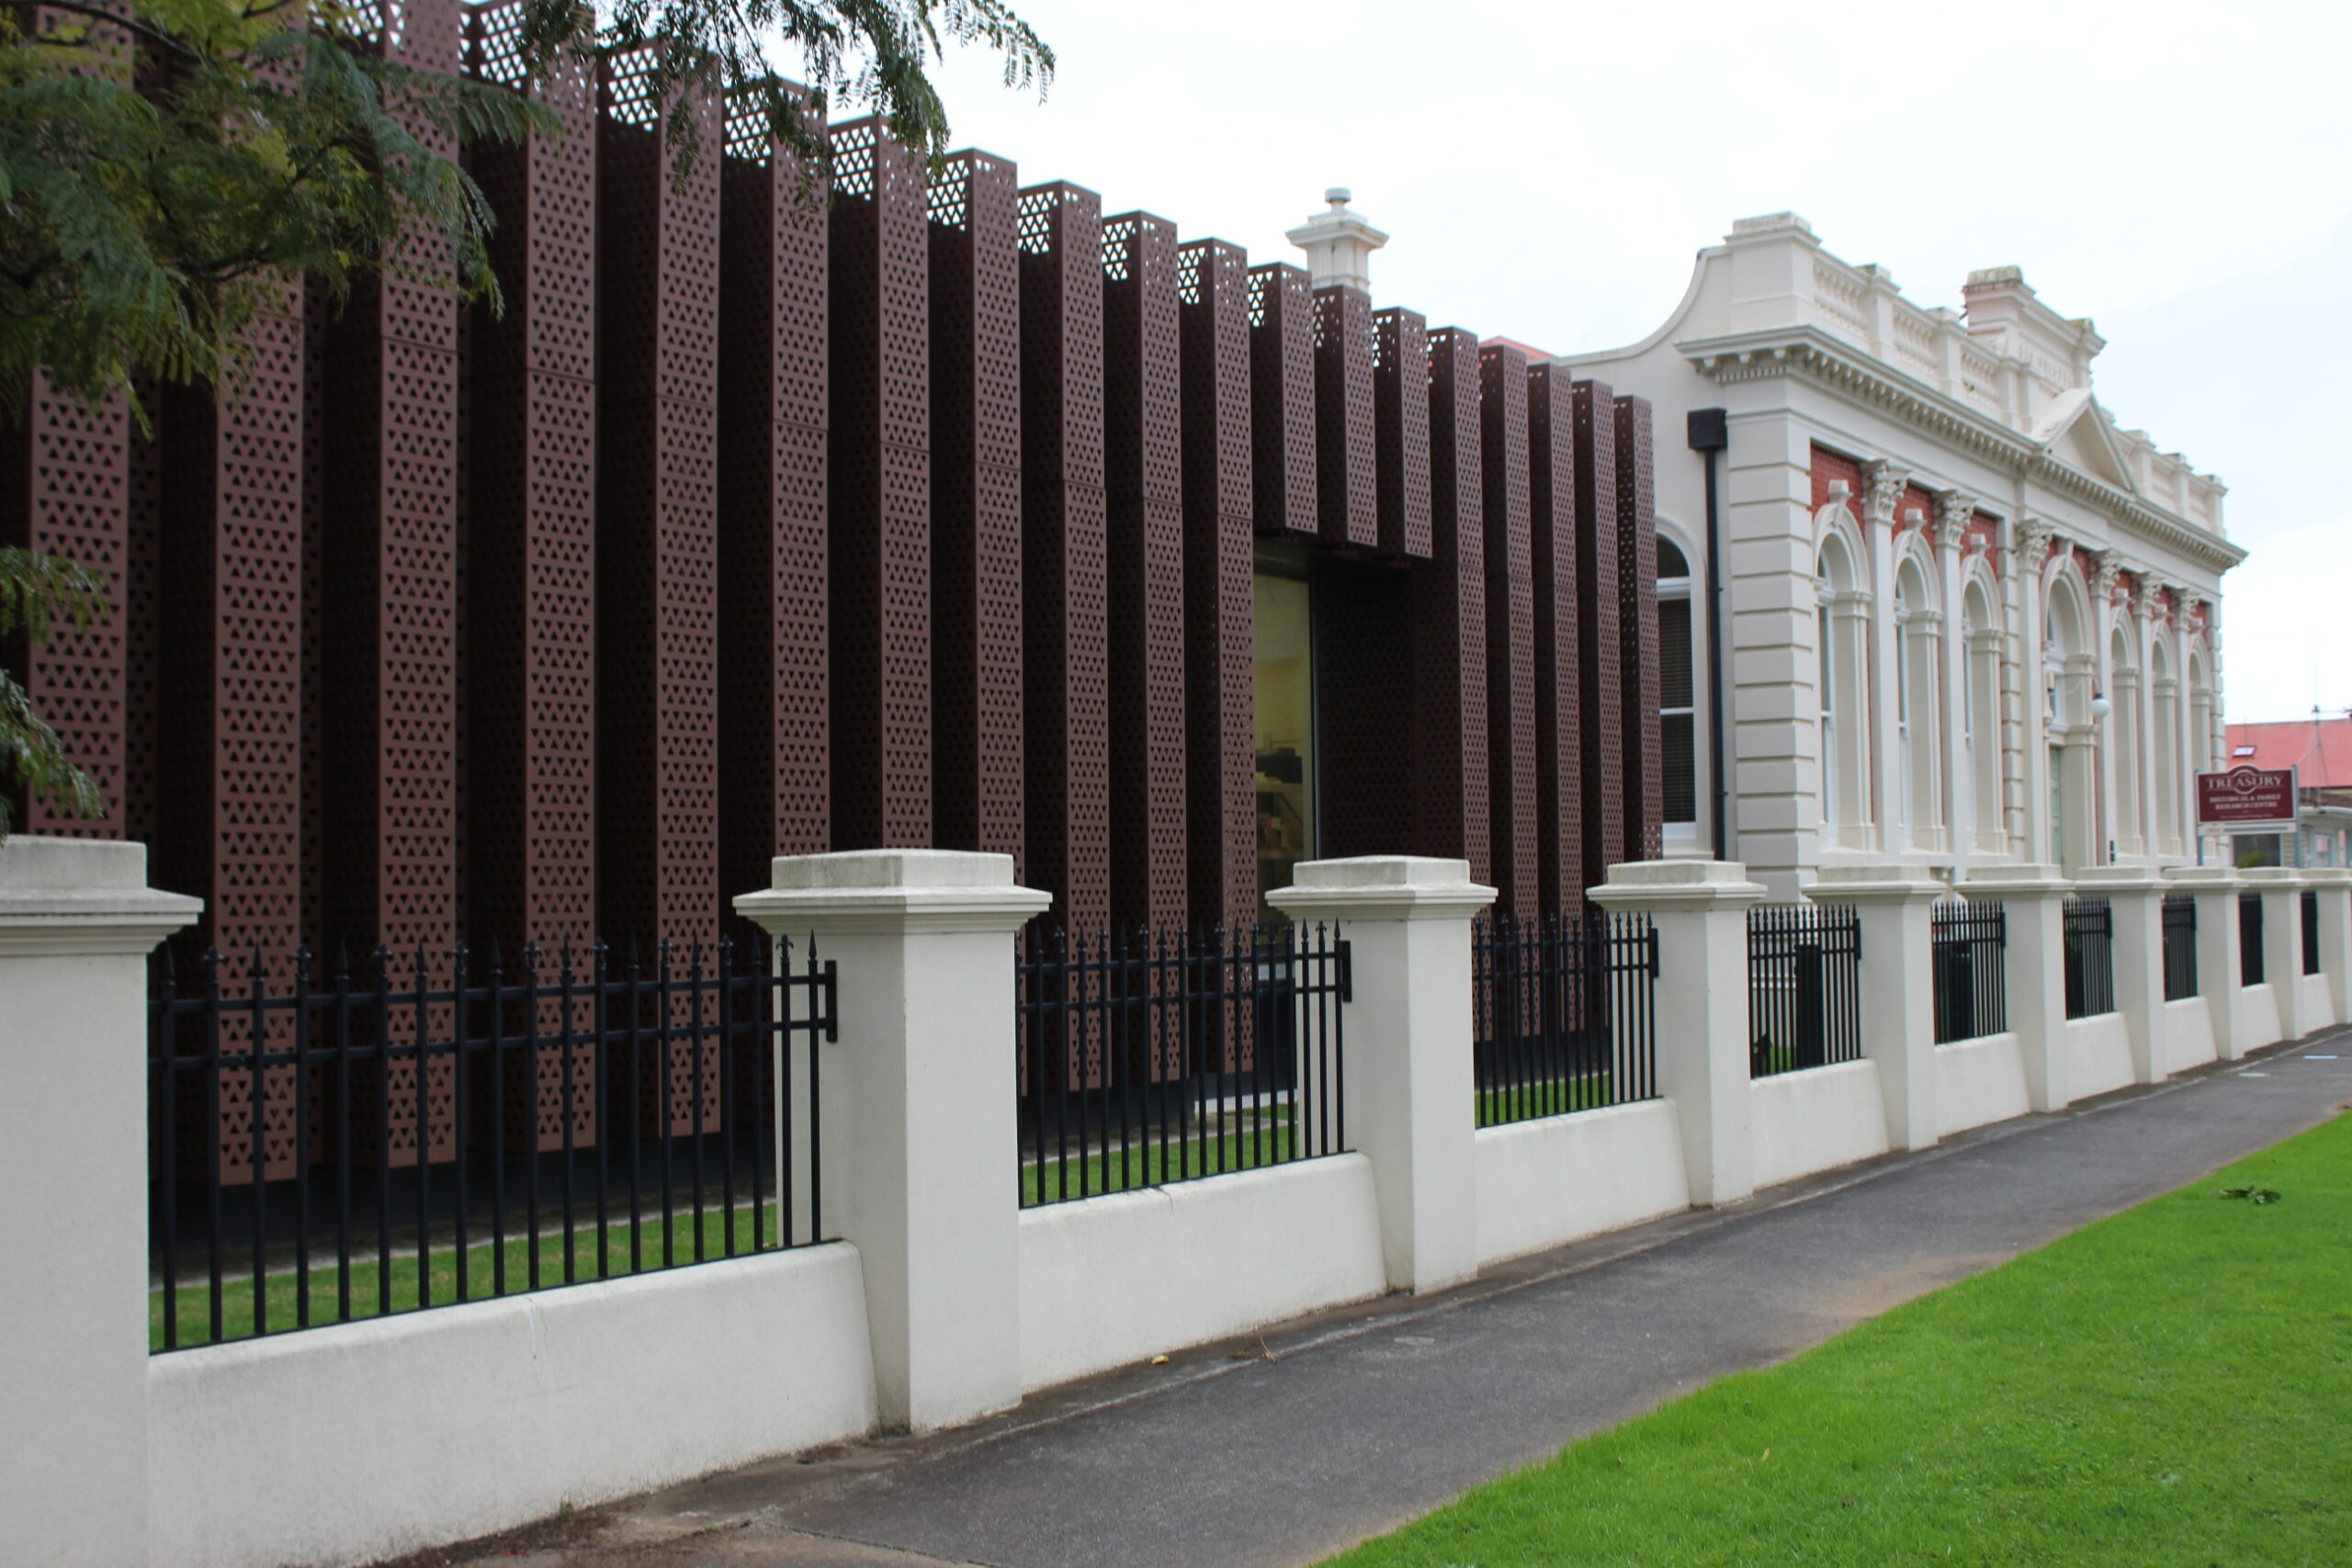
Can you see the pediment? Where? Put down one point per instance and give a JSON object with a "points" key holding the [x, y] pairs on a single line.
{"points": [[2073, 430]]}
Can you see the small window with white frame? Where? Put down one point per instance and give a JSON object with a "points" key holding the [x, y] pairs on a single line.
{"points": [[1677, 692]]}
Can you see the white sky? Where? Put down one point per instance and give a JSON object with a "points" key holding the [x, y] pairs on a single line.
{"points": [[2175, 171]]}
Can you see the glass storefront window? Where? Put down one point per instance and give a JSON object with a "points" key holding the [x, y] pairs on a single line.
{"points": [[1284, 666]]}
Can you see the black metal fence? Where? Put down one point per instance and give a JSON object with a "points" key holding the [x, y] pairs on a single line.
{"points": [[2310, 910], [430, 1129], [1564, 1014], [2250, 956], [1804, 1001], [2089, 934], [1971, 944], [2180, 946], [1151, 1057]]}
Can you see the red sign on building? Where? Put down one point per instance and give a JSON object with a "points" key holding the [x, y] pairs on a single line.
{"points": [[2246, 797]]}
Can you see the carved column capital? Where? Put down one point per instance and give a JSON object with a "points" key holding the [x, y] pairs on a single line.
{"points": [[1883, 482], [1953, 512]]}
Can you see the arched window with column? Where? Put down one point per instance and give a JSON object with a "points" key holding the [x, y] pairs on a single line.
{"points": [[2123, 739], [1918, 637], [1981, 716], [2069, 669], [2165, 688], [1842, 648], [1678, 706]]}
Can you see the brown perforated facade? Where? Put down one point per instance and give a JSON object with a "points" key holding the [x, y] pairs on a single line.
{"points": [[1551, 558], [1598, 643], [1400, 422], [1645, 798], [1345, 469], [1283, 402], [1511, 627], [1448, 622]]}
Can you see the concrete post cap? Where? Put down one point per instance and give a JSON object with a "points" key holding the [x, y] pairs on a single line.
{"points": [[69, 897], [2017, 882], [2270, 878], [1677, 884], [2328, 877], [903, 889], [1874, 885], [2106, 880], [1382, 887], [2203, 878]]}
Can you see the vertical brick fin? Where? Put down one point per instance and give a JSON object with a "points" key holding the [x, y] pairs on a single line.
{"points": [[1366, 645], [880, 483], [1551, 558], [1448, 622], [1644, 761], [1510, 627], [64, 490], [1063, 562], [1282, 401], [774, 775], [1219, 691], [976, 799], [657, 517], [383, 536], [142, 591], [1601, 712], [1144, 529], [530, 548], [1344, 442], [1400, 421], [318, 322]]}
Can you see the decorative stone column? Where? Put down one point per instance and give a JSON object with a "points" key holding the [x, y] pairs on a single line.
{"points": [[2215, 889], [1701, 910], [2135, 898], [922, 1140], [2281, 889], [1412, 1103], [2033, 901], [1898, 989], [78, 922]]}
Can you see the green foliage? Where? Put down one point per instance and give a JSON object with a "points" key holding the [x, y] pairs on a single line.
{"points": [[2167, 1386], [35, 591]]}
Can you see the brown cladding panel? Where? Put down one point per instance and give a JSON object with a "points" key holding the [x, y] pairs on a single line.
{"points": [[1064, 581], [775, 779], [1448, 622], [1552, 536], [1400, 403], [1344, 441], [880, 484], [1600, 704], [1282, 401], [1644, 800], [977, 802], [64, 490], [530, 589], [1144, 531], [1219, 691], [1511, 627], [141, 631]]}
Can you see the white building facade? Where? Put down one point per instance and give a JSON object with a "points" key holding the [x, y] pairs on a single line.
{"points": [[1966, 619]]}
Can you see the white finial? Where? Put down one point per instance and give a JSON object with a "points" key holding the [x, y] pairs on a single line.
{"points": [[1338, 243]]}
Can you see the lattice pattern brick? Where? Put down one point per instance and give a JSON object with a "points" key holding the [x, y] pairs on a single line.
{"points": [[1345, 476], [1448, 622], [1400, 410], [1282, 400], [1219, 694], [1510, 627], [1552, 536], [977, 681], [1644, 803], [1598, 646]]}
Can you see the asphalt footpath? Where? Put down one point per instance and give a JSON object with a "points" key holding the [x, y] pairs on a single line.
{"points": [[1278, 1451]]}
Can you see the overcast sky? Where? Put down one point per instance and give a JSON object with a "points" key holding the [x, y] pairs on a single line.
{"points": [[2176, 172]]}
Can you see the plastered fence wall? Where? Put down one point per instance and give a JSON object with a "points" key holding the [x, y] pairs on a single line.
{"points": [[942, 1300]]}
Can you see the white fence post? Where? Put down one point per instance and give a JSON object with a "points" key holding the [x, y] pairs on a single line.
{"points": [[2215, 889], [922, 1141], [1410, 1088], [2281, 889], [2033, 899], [1701, 910], [78, 922], [2334, 885], [1898, 999], [2135, 899]]}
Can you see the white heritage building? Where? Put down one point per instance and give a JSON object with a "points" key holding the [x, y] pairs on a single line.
{"points": [[1969, 620]]}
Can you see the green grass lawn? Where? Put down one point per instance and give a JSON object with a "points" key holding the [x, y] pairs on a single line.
{"points": [[283, 1289], [2169, 1386]]}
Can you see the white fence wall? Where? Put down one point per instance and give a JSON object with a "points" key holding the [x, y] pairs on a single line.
{"points": [[2099, 1054], [1980, 1081], [1817, 1120], [1549, 1182]]}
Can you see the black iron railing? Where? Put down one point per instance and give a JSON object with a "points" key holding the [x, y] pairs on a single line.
{"points": [[2180, 946], [2090, 936], [2309, 911], [2250, 956], [1805, 1004], [1564, 1014], [1970, 944], [1151, 1057], [435, 1128]]}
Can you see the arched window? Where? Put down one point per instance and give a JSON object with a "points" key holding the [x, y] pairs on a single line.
{"points": [[1843, 648], [2068, 669], [1676, 689], [1918, 637], [1980, 715], [2123, 740], [2166, 710]]}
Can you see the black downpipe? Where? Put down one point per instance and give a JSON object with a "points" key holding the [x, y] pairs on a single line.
{"points": [[1710, 432]]}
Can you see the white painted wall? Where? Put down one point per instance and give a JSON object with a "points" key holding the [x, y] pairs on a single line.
{"points": [[2319, 1002], [2258, 1019], [2099, 1055], [1816, 1120], [1980, 1081], [2187, 1039], [1108, 1282], [363, 1440], [1550, 1181]]}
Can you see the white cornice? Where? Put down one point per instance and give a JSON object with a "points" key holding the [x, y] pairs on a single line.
{"points": [[1815, 355]]}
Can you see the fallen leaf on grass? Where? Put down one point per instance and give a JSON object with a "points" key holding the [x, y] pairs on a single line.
{"points": [[2251, 1194]]}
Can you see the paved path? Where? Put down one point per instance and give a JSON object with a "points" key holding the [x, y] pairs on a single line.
{"points": [[1358, 1420]]}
